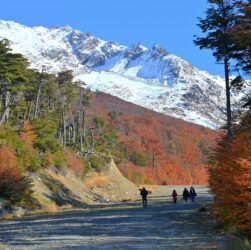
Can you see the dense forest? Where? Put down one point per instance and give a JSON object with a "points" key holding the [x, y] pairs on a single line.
{"points": [[157, 149]]}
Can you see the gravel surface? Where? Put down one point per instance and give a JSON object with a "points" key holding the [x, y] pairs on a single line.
{"points": [[162, 225]]}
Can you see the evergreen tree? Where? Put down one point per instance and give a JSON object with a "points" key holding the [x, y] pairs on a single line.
{"points": [[241, 51], [217, 24], [12, 75]]}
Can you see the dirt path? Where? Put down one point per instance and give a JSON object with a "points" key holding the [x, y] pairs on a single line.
{"points": [[123, 226]]}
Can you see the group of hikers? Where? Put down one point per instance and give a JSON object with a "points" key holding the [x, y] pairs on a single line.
{"points": [[191, 194]]}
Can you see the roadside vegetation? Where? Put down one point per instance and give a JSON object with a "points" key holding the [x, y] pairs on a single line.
{"points": [[227, 33]]}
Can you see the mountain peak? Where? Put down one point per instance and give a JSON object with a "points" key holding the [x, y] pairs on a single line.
{"points": [[11, 25], [64, 28], [138, 46], [151, 78], [160, 50], [135, 50]]}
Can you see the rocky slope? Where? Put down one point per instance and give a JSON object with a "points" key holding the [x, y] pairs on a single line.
{"points": [[152, 78], [65, 188], [112, 185]]}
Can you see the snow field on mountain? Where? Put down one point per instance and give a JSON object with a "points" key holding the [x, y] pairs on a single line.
{"points": [[152, 78]]}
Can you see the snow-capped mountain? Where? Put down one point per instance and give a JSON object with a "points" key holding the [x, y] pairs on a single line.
{"points": [[152, 78]]}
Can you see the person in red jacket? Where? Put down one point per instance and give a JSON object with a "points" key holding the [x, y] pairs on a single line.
{"points": [[174, 195]]}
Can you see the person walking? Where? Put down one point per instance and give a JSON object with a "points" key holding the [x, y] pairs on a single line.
{"points": [[192, 193], [174, 195], [144, 194], [185, 195]]}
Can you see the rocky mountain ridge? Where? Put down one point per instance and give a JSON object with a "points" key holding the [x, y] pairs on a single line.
{"points": [[152, 78]]}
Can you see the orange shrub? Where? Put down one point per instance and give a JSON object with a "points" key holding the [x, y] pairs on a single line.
{"points": [[10, 174], [8, 165], [74, 162], [27, 134]]}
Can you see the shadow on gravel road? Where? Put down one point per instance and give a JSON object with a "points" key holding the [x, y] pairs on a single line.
{"points": [[160, 226]]}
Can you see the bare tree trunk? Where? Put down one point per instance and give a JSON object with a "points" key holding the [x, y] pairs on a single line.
{"points": [[60, 130], [71, 128], [69, 132], [228, 100], [89, 146], [6, 111], [81, 143], [64, 130], [93, 141], [38, 94], [84, 121], [78, 120], [73, 132]]}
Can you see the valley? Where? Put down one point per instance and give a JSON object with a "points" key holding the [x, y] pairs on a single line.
{"points": [[85, 123]]}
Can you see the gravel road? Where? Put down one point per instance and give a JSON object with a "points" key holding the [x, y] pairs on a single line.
{"points": [[162, 225]]}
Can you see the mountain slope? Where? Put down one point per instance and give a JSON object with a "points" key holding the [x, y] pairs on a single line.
{"points": [[152, 78], [180, 149]]}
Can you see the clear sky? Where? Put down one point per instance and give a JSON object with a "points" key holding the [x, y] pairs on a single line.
{"points": [[170, 23]]}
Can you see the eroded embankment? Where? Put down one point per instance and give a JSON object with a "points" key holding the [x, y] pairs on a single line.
{"points": [[60, 189]]}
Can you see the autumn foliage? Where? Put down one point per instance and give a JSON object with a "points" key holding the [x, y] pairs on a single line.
{"points": [[28, 133], [9, 170], [13, 185], [230, 177], [74, 162], [157, 148]]}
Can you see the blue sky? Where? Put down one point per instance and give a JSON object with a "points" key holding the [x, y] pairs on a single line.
{"points": [[170, 23]]}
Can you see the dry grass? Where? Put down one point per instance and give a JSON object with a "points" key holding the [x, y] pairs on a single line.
{"points": [[66, 206], [7, 216], [96, 180], [53, 208], [50, 208]]}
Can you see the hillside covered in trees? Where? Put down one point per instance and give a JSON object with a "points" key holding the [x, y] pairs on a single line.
{"points": [[50, 121], [156, 148]]}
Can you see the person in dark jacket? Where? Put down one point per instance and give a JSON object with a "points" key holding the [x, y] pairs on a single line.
{"points": [[174, 195], [144, 194], [185, 195], [192, 193]]}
